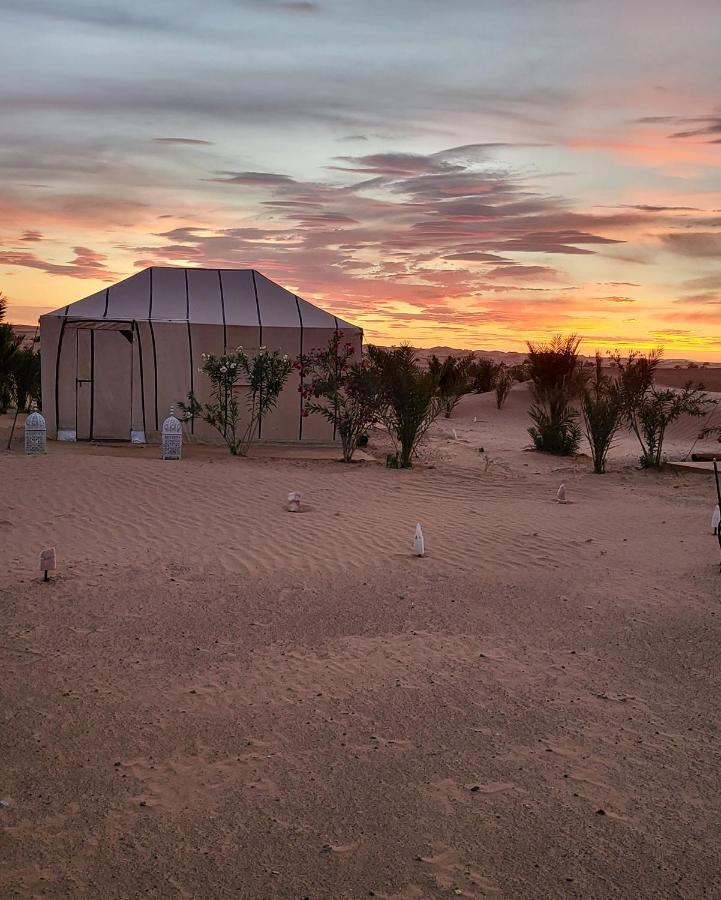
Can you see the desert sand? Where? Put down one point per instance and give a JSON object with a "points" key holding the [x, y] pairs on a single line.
{"points": [[214, 697]]}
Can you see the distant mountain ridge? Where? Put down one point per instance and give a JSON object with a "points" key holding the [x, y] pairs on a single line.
{"points": [[513, 357]]}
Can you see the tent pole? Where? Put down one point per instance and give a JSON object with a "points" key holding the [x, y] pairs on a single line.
{"points": [[12, 430]]}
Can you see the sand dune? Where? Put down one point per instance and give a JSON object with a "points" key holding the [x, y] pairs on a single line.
{"points": [[217, 698]]}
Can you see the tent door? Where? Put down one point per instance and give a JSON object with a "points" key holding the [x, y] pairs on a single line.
{"points": [[84, 384], [103, 384]]}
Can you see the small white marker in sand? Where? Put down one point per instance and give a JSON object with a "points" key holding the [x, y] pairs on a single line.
{"points": [[419, 545], [716, 519], [475, 419], [455, 435], [48, 562], [294, 499], [561, 495]]}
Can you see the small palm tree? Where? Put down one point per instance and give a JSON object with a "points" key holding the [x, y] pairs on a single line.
{"points": [[557, 377], [454, 379], [410, 398], [602, 409], [26, 375], [9, 346]]}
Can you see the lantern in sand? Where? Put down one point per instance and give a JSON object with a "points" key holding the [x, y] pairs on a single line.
{"points": [[35, 432], [171, 438], [419, 543]]}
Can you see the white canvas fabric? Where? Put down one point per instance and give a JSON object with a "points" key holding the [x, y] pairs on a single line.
{"points": [[113, 363]]}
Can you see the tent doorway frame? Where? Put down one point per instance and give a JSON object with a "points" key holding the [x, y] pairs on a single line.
{"points": [[86, 375]]}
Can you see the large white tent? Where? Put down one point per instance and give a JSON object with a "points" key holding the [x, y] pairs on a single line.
{"points": [[114, 363]]}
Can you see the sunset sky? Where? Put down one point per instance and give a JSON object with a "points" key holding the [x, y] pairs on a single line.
{"points": [[464, 173]]}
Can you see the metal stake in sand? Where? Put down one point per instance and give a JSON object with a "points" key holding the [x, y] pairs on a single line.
{"points": [[455, 435], [561, 495], [419, 545], [48, 562], [294, 498]]}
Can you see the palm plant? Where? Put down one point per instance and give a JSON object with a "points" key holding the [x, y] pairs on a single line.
{"points": [[482, 373], [454, 379], [557, 377], [26, 377], [602, 409], [9, 346], [649, 410], [410, 399], [505, 376]]}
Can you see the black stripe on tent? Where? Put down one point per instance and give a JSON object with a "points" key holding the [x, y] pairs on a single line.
{"points": [[57, 372], [257, 306], [107, 300], [136, 327], [92, 382], [155, 372], [222, 310], [337, 331], [302, 402], [190, 345], [260, 344]]}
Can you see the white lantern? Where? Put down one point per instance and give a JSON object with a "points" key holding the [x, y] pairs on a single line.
{"points": [[35, 432], [171, 439]]}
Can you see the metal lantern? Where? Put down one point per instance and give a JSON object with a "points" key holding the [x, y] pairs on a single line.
{"points": [[171, 439], [35, 432]]}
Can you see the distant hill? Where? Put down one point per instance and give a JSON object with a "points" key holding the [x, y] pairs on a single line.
{"points": [[512, 357]]}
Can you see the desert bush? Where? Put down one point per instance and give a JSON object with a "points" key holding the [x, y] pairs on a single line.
{"points": [[453, 376], [557, 377], [649, 410], [410, 400], [602, 409], [482, 372], [261, 377], [343, 390]]}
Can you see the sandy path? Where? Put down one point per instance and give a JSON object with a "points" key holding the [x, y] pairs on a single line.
{"points": [[216, 698]]}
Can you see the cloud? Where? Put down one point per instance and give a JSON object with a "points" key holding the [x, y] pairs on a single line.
{"points": [[711, 127], [543, 273], [300, 7], [86, 264], [30, 237], [706, 126], [181, 140], [694, 243], [616, 299], [88, 12], [396, 164], [645, 207], [252, 179], [477, 256]]}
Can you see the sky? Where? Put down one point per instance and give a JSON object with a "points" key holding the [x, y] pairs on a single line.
{"points": [[464, 173]]}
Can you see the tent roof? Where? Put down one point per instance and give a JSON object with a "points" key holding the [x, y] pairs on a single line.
{"points": [[200, 296]]}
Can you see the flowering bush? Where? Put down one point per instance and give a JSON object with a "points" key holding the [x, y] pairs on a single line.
{"points": [[262, 377], [343, 391]]}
